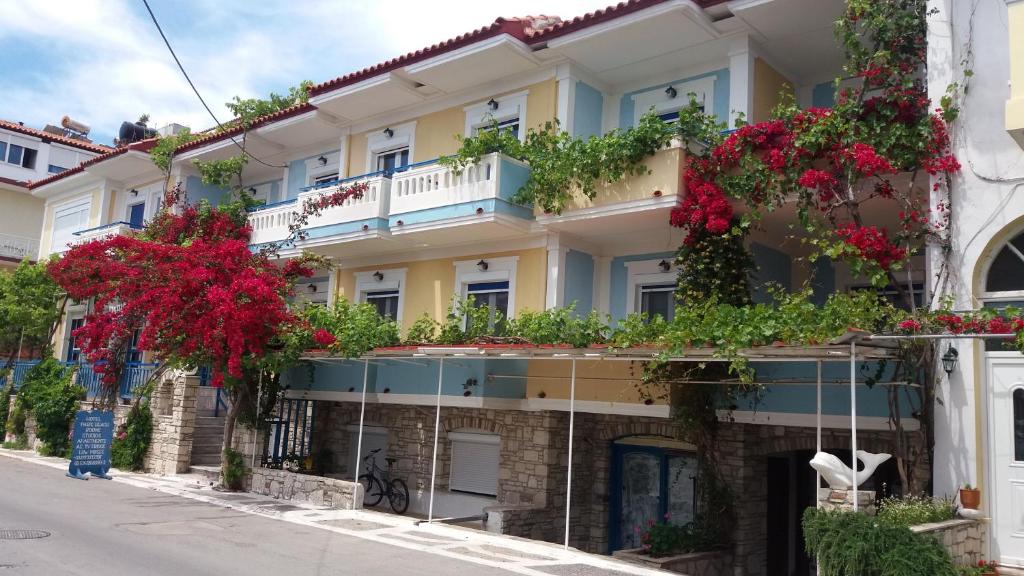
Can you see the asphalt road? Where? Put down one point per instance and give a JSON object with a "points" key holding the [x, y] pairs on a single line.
{"points": [[110, 528]]}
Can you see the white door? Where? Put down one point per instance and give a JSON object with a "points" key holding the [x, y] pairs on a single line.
{"points": [[1006, 410]]}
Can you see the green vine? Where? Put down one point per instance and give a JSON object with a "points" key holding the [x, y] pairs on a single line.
{"points": [[563, 167], [128, 451]]}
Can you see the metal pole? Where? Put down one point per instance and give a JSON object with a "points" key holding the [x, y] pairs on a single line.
{"points": [[437, 427], [853, 420], [817, 482], [572, 424], [362, 414]]}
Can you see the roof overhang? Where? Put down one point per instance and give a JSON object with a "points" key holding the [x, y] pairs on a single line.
{"points": [[370, 97], [301, 130], [130, 166], [473, 65]]}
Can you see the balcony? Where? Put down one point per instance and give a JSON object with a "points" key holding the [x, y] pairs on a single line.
{"points": [[356, 218], [18, 247], [429, 196], [105, 231]]}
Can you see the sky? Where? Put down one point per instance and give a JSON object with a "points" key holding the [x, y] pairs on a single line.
{"points": [[102, 61]]}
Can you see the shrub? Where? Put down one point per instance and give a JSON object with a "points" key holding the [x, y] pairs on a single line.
{"points": [[914, 510], [129, 448], [664, 538], [5, 402], [854, 544], [233, 470], [50, 396]]}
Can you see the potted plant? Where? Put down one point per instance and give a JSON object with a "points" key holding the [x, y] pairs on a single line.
{"points": [[970, 498], [982, 568]]}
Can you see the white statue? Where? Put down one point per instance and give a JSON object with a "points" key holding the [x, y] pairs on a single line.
{"points": [[839, 475]]}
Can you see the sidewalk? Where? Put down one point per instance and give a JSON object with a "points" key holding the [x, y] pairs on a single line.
{"points": [[516, 555]]}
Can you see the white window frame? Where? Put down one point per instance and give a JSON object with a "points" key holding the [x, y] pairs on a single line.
{"points": [[510, 106], [457, 477], [377, 142], [645, 272], [498, 270], [703, 90], [76, 205], [394, 279], [314, 170]]}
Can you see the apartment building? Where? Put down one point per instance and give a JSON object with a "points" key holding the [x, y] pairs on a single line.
{"points": [[28, 155], [422, 235]]}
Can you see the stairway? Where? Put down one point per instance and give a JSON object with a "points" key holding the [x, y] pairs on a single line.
{"points": [[207, 441]]}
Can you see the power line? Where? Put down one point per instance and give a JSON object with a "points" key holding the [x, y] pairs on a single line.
{"points": [[196, 90]]}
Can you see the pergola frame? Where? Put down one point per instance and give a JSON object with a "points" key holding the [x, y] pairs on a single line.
{"points": [[851, 347]]}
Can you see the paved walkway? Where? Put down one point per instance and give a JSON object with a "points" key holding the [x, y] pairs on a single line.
{"points": [[515, 555]]}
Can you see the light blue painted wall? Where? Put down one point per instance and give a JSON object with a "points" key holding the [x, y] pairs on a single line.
{"points": [[579, 281], [824, 282], [296, 177], [275, 192], [771, 266], [587, 111], [823, 95], [513, 177], [197, 191], [619, 274], [721, 102]]}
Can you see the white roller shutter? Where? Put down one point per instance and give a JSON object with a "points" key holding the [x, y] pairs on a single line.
{"points": [[62, 157], [475, 459], [68, 219]]}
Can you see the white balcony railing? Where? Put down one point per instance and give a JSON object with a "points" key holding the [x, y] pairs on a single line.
{"points": [[18, 247], [271, 223], [105, 231], [435, 186]]}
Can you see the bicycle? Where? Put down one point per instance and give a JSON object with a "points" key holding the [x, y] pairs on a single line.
{"points": [[378, 483]]}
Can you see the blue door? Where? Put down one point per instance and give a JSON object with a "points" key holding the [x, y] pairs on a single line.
{"points": [[137, 215], [649, 484]]}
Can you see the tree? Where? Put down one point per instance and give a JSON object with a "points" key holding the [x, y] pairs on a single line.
{"points": [[31, 305]]}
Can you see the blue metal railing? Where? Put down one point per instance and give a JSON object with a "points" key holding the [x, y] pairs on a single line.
{"points": [[135, 374], [105, 226], [20, 368], [386, 173]]}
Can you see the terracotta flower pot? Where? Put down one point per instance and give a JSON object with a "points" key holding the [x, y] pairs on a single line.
{"points": [[970, 498]]}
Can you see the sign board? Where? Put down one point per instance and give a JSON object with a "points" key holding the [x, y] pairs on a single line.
{"points": [[90, 444]]}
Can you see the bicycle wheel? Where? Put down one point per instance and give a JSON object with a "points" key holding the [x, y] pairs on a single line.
{"points": [[399, 496], [373, 490]]}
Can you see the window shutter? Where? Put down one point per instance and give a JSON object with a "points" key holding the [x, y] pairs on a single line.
{"points": [[475, 459]]}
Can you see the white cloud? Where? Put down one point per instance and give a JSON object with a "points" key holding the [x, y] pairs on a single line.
{"points": [[102, 61]]}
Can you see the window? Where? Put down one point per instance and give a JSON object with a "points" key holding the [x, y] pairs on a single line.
{"points": [[658, 299], [475, 461], [1018, 425], [388, 161], [324, 179], [14, 154], [68, 219], [510, 125], [137, 215], [21, 156], [1006, 272], [493, 295], [667, 106], [28, 160], [133, 354], [3, 151], [508, 111], [385, 301], [73, 353], [55, 169]]}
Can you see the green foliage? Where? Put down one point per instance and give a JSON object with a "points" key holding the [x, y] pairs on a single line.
{"points": [[129, 448], [5, 399], [233, 469], [358, 328], [163, 151], [221, 173], [29, 307], [19, 443], [16, 419], [559, 326], [49, 394], [248, 110], [666, 539], [714, 266], [913, 510], [637, 330], [854, 544], [561, 165], [422, 331], [466, 322]]}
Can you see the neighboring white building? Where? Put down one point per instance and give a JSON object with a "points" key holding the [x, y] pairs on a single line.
{"points": [[980, 409], [28, 155]]}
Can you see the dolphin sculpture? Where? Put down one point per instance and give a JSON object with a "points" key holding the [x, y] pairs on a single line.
{"points": [[841, 476]]}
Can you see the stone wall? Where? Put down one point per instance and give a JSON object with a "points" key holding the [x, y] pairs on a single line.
{"points": [[694, 564], [174, 419], [964, 539], [316, 490]]}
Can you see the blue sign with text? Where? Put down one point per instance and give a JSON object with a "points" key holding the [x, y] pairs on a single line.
{"points": [[90, 444]]}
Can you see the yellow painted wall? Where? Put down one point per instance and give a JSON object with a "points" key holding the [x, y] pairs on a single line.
{"points": [[436, 134], [356, 155], [541, 103], [21, 214], [768, 84], [596, 380], [666, 176], [430, 284], [1015, 105]]}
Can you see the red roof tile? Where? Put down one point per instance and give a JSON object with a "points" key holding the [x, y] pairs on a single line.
{"points": [[13, 182], [140, 146], [598, 16], [47, 137]]}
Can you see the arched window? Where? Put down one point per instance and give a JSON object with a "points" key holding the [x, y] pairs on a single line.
{"points": [[1006, 272]]}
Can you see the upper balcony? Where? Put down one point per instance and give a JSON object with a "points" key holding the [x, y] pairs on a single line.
{"points": [[18, 247], [420, 203], [105, 231]]}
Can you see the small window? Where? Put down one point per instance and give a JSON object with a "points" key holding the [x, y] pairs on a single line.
{"points": [[509, 125], [476, 458], [133, 354], [493, 295], [3, 151], [324, 180], [388, 161], [73, 352], [1006, 274], [28, 159], [1018, 425], [658, 300], [385, 301], [14, 154], [52, 169]]}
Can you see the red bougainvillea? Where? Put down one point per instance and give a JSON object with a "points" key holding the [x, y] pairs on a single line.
{"points": [[190, 282]]}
